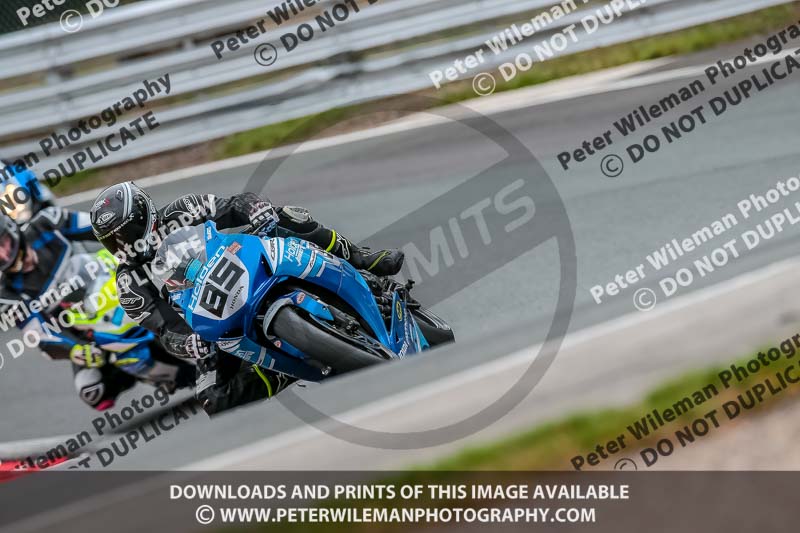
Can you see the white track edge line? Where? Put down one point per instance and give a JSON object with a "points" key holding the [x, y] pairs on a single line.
{"points": [[496, 366], [121, 494]]}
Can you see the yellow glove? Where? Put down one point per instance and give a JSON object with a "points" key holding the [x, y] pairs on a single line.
{"points": [[87, 355]]}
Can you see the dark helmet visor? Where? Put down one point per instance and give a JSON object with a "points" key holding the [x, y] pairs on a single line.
{"points": [[9, 248]]}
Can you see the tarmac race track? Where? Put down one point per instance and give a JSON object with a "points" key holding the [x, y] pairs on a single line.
{"points": [[364, 186]]}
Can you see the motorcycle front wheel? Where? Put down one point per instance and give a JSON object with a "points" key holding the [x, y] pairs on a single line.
{"points": [[320, 345]]}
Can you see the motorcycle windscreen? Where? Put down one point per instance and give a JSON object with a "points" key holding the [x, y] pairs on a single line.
{"points": [[180, 257]]}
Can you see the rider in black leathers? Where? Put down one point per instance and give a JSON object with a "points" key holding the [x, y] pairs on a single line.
{"points": [[126, 221]]}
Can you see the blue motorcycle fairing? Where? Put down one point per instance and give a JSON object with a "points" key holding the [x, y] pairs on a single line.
{"points": [[405, 333], [138, 360], [225, 319], [234, 269], [136, 335], [229, 289], [250, 351], [295, 258], [140, 363]]}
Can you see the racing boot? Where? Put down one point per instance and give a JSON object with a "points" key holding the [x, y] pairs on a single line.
{"points": [[380, 262], [297, 221], [225, 382]]}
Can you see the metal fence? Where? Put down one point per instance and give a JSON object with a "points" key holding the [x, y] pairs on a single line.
{"points": [[384, 50]]}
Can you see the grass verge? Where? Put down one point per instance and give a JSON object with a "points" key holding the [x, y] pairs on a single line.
{"points": [[681, 42], [552, 445]]}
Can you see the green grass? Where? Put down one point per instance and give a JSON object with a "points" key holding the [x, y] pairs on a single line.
{"points": [[239, 144], [681, 42], [302, 129], [81, 181], [282, 133], [552, 445]]}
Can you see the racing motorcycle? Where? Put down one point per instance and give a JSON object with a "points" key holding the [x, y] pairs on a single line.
{"points": [[94, 309], [289, 306]]}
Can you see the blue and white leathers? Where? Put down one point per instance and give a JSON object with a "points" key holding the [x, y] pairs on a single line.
{"points": [[240, 278]]}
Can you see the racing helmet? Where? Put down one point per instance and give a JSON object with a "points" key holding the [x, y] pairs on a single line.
{"points": [[125, 220]]}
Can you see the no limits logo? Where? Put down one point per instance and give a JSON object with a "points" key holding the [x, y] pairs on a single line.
{"points": [[457, 239]]}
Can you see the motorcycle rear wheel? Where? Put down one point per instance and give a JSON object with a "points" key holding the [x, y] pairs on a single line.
{"points": [[320, 345]]}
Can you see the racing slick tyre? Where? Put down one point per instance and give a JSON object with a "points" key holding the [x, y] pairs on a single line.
{"points": [[435, 330], [320, 345]]}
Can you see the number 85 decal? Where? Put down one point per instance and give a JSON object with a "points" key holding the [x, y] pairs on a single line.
{"points": [[218, 285]]}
